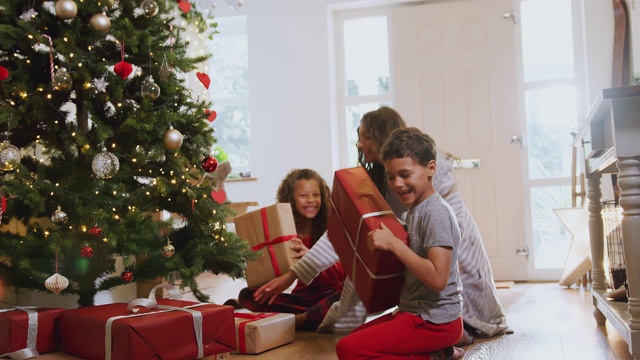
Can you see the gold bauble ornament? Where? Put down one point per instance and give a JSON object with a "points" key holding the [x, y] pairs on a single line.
{"points": [[100, 22], [66, 9], [9, 156], [149, 8], [56, 283], [168, 250], [62, 80], [172, 139], [105, 165]]}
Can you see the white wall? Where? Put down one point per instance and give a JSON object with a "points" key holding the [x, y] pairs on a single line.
{"points": [[291, 90]]}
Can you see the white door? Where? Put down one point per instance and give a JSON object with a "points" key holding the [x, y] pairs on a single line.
{"points": [[453, 66]]}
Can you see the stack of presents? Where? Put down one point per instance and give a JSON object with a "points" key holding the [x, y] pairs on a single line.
{"points": [[150, 328]]}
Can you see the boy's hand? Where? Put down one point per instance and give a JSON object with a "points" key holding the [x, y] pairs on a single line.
{"points": [[270, 291], [298, 248], [380, 239]]}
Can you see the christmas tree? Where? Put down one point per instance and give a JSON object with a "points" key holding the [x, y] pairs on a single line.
{"points": [[100, 135]]}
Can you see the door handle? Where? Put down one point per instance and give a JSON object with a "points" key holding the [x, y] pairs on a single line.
{"points": [[518, 139]]}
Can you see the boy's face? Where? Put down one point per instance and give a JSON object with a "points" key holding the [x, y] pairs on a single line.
{"points": [[410, 180]]}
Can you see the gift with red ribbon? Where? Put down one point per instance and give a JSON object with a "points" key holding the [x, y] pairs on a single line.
{"points": [[357, 208], [26, 332], [268, 230], [259, 332], [148, 329]]}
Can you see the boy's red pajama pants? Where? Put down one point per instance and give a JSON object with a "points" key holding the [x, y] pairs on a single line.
{"points": [[398, 336]]}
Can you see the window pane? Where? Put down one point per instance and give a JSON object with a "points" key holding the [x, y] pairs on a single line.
{"points": [[547, 39], [233, 134], [551, 239], [229, 91], [366, 56], [551, 117], [354, 115], [230, 61]]}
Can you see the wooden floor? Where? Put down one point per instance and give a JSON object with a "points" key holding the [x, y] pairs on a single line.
{"points": [[550, 322]]}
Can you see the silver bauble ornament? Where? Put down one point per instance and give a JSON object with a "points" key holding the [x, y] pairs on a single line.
{"points": [[172, 139], [66, 9], [100, 22], [56, 283], [62, 80], [150, 89], [149, 8], [59, 216], [105, 165], [9, 156], [234, 4], [168, 250]]}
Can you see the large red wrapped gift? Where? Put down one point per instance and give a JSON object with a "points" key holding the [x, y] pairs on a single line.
{"points": [[358, 207], [27, 331], [270, 230], [163, 329]]}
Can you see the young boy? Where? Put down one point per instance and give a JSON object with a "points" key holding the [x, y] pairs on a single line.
{"points": [[428, 321]]}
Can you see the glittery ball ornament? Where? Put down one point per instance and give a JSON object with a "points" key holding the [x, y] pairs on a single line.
{"points": [[172, 139], [59, 216], [127, 276], [56, 283], [9, 156], [100, 22], [66, 9], [149, 8], [62, 80], [95, 231], [86, 251], [105, 165], [210, 164], [150, 89], [168, 250]]}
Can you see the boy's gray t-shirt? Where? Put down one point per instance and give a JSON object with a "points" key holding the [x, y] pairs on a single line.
{"points": [[433, 223]]}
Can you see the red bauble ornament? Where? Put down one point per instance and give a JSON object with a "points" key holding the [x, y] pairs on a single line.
{"points": [[185, 6], [127, 276], [86, 251], [4, 73], [123, 69], [95, 231], [209, 164]]}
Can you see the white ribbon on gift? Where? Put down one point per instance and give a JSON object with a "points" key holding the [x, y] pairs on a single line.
{"points": [[32, 335], [151, 303], [354, 245]]}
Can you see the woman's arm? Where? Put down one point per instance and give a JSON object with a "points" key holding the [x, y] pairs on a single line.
{"points": [[319, 258]]}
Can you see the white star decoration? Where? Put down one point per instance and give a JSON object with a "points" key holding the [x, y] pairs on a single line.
{"points": [[578, 263]]}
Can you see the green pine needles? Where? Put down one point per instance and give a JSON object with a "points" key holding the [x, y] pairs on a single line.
{"points": [[63, 193]]}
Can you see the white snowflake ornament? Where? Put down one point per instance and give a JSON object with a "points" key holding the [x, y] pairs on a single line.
{"points": [[28, 15], [100, 85]]}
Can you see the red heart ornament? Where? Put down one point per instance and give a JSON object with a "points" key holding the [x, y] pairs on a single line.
{"points": [[219, 196], [185, 6], [4, 73], [204, 79], [211, 115], [123, 69]]}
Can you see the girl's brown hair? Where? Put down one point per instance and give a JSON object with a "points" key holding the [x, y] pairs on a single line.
{"points": [[285, 195]]}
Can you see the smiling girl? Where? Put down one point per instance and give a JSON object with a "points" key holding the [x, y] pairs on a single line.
{"points": [[308, 194]]}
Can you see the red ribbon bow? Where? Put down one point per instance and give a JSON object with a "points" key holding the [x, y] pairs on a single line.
{"points": [[269, 243]]}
